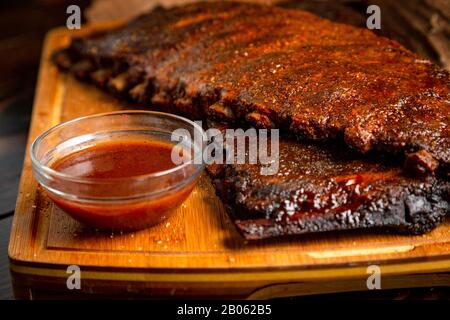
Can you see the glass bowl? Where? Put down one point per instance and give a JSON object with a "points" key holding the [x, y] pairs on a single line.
{"points": [[125, 203]]}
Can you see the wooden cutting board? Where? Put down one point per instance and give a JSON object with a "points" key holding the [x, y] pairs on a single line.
{"points": [[197, 252]]}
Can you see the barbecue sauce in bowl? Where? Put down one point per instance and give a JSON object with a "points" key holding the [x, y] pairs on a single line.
{"points": [[121, 169], [115, 171], [117, 159]]}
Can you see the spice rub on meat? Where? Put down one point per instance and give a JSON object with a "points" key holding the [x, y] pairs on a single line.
{"points": [[275, 67]]}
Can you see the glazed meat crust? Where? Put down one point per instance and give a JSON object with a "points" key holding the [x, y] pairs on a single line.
{"points": [[253, 65], [327, 188], [272, 67]]}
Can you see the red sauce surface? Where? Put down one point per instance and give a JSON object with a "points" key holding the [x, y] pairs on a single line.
{"points": [[119, 159]]}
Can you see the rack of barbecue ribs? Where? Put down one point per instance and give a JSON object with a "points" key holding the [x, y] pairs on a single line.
{"points": [[320, 188], [321, 83]]}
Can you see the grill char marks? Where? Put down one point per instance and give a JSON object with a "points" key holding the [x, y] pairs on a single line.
{"points": [[320, 188], [268, 66]]}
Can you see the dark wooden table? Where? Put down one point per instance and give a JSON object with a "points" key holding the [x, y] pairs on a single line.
{"points": [[23, 25]]}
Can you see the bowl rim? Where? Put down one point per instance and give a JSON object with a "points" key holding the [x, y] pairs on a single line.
{"points": [[42, 168]]}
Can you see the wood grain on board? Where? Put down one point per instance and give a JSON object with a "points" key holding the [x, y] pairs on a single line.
{"points": [[197, 252]]}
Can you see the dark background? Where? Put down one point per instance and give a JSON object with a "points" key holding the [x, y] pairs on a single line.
{"points": [[421, 25]]}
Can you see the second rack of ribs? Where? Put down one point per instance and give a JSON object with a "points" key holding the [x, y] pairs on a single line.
{"points": [[327, 188]]}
